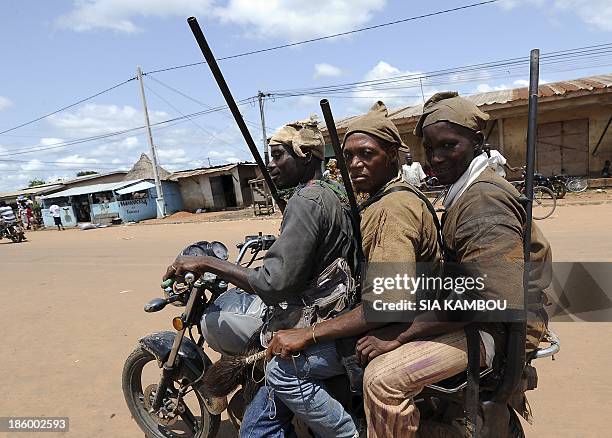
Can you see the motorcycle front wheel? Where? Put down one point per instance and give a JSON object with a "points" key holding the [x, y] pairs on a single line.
{"points": [[192, 419]]}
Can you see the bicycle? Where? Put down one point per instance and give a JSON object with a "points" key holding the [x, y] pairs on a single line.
{"points": [[544, 200]]}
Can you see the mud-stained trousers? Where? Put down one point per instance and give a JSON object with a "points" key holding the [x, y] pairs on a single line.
{"points": [[393, 379]]}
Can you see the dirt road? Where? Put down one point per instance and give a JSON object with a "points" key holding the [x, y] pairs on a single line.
{"points": [[72, 311]]}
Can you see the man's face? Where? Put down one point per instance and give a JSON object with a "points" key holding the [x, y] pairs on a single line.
{"points": [[370, 165], [286, 169], [449, 150], [408, 159]]}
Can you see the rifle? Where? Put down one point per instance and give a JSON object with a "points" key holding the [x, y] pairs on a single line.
{"points": [[515, 351], [231, 103]]}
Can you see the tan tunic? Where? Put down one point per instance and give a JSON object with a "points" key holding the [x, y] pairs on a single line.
{"points": [[399, 228], [484, 230]]}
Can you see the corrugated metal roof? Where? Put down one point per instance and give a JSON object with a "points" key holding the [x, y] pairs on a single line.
{"points": [[206, 170], [37, 190], [503, 97], [94, 188], [144, 185]]}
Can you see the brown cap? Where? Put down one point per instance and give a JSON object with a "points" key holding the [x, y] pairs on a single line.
{"points": [[448, 106], [378, 124]]}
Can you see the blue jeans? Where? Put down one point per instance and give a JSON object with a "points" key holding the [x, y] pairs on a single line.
{"points": [[295, 387]]}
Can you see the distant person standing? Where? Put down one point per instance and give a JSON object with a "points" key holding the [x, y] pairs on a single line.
{"points": [[412, 171], [498, 162], [605, 172], [55, 211]]}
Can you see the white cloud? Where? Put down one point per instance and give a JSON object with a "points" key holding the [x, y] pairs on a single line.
{"points": [[596, 13], [172, 156], [95, 119], [484, 88], [287, 19], [521, 83], [33, 165], [118, 15], [410, 95], [75, 161], [294, 20], [5, 103], [50, 141], [327, 70]]}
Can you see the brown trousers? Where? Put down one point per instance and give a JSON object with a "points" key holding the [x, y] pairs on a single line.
{"points": [[393, 379]]}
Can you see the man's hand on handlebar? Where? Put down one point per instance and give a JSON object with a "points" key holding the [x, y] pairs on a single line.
{"points": [[184, 264]]}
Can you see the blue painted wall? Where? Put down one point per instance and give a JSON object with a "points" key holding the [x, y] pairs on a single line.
{"points": [[68, 217], [136, 210], [172, 196], [105, 208]]}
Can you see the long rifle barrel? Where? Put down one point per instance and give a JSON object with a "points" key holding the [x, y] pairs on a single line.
{"points": [[231, 103], [333, 135], [517, 331]]}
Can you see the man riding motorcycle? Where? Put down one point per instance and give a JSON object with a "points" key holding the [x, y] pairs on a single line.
{"points": [[9, 226], [315, 233]]}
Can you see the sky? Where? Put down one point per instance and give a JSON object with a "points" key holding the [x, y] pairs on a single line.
{"points": [[56, 53]]}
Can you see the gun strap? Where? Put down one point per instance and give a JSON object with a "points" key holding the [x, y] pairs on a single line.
{"points": [[472, 400], [420, 195]]}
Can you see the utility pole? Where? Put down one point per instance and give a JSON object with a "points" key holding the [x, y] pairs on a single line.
{"points": [[161, 204], [261, 96], [422, 93]]}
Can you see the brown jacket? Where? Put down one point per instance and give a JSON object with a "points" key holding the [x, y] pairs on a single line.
{"points": [[484, 229]]}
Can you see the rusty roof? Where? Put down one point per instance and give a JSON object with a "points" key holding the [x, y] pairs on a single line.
{"points": [[511, 97], [206, 170]]}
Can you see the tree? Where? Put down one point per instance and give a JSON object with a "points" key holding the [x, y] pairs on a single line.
{"points": [[36, 182], [86, 172]]}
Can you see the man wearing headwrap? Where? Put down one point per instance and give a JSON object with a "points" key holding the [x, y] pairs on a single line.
{"points": [[483, 230], [397, 228], [316, 230]]}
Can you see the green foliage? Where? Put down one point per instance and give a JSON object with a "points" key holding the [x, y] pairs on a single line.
{"points": [[86, 172], [36, 182]]}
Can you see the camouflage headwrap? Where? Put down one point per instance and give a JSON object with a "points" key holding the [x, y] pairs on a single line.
{"points": [[376, 123], [302, 136], [447, 106]]}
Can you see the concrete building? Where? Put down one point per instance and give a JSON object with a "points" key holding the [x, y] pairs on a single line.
{"points": [[218, 187], [574, 126], [130, 201]]}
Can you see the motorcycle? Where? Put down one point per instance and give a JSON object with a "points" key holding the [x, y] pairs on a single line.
{"points": [[12, 231], [161, 377]]}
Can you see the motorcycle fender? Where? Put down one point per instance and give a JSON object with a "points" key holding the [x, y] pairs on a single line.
{"points": [[159, 345]]}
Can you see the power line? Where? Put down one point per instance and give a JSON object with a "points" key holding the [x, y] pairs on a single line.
{"points": [[199, 102], [206, 131], [470, 73], [67, 106], [158, 125], [326, 37]]}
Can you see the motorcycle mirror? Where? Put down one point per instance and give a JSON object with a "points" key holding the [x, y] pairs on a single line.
{"points": [[155, 305]]}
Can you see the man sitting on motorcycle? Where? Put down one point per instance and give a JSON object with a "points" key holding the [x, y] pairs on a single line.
{"points": [[316, 231], [397, 228], [7, 216]]}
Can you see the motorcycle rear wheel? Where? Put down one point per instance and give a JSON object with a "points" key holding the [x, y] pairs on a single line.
{"points": [[188, 425]]}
